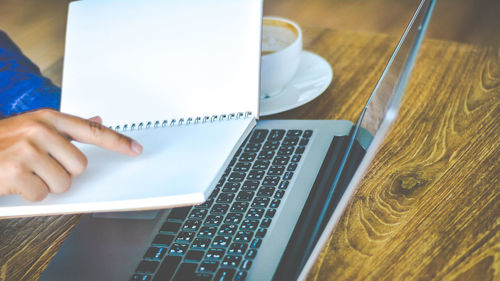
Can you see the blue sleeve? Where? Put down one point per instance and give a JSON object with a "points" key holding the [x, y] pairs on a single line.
{"points": [[22, 86]]}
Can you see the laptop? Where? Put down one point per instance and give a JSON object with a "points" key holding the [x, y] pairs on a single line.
{"points": [[273, 209]]}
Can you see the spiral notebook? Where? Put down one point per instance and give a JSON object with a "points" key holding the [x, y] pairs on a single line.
{"points": [[174, 75]]}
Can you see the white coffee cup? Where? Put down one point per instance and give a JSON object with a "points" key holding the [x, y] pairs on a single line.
{"points": [[281, 50]]}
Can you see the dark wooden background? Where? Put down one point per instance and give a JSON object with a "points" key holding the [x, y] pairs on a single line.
{"points": [[429, 205]]}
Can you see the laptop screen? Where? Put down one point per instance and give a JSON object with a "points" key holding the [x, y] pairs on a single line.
{"points": [[389, 90], [373, 123]]}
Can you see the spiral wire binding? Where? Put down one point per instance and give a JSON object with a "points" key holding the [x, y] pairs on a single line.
{"points": [[181, 121]]}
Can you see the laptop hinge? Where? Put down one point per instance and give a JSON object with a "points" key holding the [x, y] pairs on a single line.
{"points": [[304, 238]]}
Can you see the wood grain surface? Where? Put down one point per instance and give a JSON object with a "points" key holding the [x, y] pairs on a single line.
{"points": [[429, 205]]}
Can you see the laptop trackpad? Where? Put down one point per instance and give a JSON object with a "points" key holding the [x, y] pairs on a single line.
{"points": [[137, 215]]}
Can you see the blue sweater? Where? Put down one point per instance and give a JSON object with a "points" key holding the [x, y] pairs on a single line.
{"points": [[22, 86]]}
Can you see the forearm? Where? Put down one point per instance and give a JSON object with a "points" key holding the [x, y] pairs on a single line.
{"points": [[22, 86]]}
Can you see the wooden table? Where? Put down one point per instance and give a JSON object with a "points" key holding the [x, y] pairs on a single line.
{"points": [[429, 206]]}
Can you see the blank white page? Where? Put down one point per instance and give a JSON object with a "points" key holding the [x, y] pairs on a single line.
{"points": [[133, 61], [178, 166]]}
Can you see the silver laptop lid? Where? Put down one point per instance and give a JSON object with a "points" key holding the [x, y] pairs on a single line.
{"points": [[379, 112]]}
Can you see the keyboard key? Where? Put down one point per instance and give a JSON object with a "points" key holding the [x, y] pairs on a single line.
{"points": [[276, 135], [271, 145], [256, 243], [261, 233], [162, 239], [207, 231], [251, 254], [304, 141], [233, 161], [219, 209], [259, 136], [243, 236], [167, 268], [194, 255], [171, 227], [276, 170], [155, 253], [252, 147], [240, 276], [213, 220], [198, 214], [221, 241], [225, 198], [286, 151], [283, 185], [292, 167], [294, 133], [281, 160], [200, 243], [300, 149], [147, 266], [279, 194], [233, 218], [260, 202], [208, 266], [248, 156], [270, 213], [296, 158], [245, 196], [140, 277], [179, 213], [215, 254], [185, 272], [275, 203], [236, 177], [224, 274], [250, 185], [228, 229], [191, 225], [246, 264], [185, 237], [249, 224], [237, 248], [207, 204], [255, 213], [271, 180], [242, 167], [266, 191], [288, 176], [308, 133], [231, 187], [178, 249], [256, 174], [231, 261], [238, 152], [202, 277], [261, 164], [290, 141], [266, 155], [214, 194], [266, 222], [223, 179], [239, 207]]}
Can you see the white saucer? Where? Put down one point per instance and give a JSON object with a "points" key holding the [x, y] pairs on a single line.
{"points": [[312, 78]]}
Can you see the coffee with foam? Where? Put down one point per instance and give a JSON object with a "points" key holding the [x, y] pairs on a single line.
{"points": [[277, 35]]}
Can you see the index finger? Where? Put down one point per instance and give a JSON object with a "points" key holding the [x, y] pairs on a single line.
{"points": [[92, 132]]}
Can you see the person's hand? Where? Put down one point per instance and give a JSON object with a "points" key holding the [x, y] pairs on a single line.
{"points": [[37, 156]]}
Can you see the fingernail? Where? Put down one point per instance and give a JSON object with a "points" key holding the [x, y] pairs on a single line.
{"points": [[136, 147], [96, 119]]}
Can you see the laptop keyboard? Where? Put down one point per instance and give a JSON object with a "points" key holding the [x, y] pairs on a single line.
{"points": [[219, 239]]}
